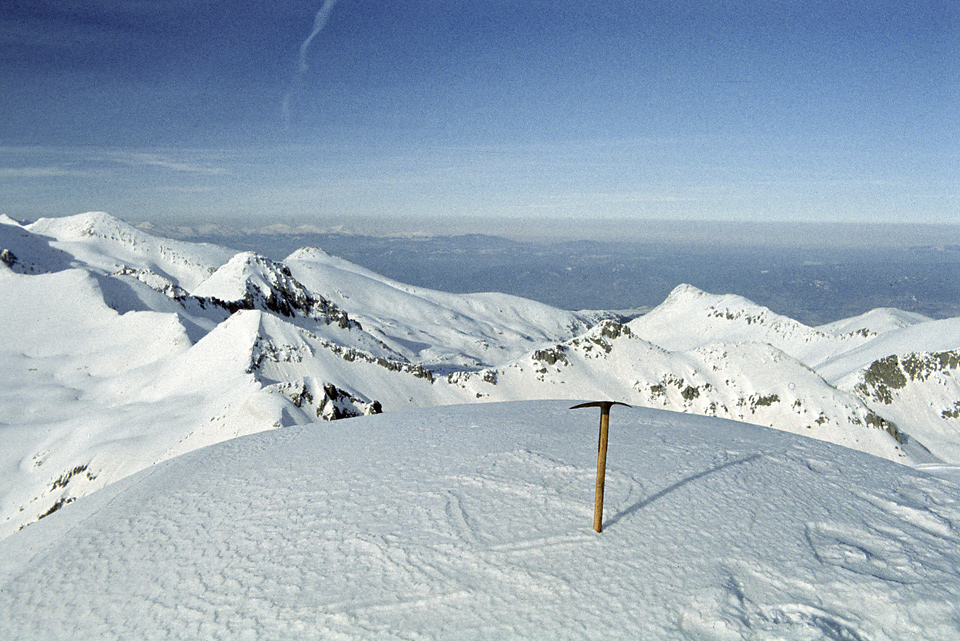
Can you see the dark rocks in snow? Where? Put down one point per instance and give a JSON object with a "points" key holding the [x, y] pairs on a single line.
{"points": [[419, 371], [264, 350], [877, 421], [66, 476], [337, 404], [324, 400], [613, 330], [282, 294], [552, 356], [289, 307], [886, 375], [156, 282], [56, 506]]}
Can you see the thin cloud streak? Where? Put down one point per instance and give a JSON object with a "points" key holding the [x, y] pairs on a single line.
{"points": [[51, 160], [26, 173], [162, 161], [319, 22]]}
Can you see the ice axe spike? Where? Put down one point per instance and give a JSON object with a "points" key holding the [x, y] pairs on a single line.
{"points": [[601, 456]]}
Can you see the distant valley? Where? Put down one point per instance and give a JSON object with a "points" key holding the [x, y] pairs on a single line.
{"points": [[813, 284]]}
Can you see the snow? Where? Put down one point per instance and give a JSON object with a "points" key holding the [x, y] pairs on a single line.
{"points": [[475, 522], [160, 457], [99, 240], [932, 336], [121, 350]]}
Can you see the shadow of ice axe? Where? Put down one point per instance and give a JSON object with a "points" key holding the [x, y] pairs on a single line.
{"points": [[601, 456]]}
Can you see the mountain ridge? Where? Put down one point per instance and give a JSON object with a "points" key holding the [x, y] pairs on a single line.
{"points": [[184, 345]]}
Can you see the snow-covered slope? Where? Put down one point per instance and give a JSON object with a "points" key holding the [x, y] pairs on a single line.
{"points": [[875, 322], [931, 336], [100, 241], [436, 328], [90, 396], [901, 366], [753, 382], [120, 350], [476, 522], [911, 376]]}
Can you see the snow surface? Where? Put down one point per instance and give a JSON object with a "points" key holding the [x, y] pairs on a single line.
{"points": [[475, 522], [100, 240], [432, 327], [120, 350]]}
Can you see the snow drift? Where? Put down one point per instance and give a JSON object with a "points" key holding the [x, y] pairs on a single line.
{"points": [[476, 522]]}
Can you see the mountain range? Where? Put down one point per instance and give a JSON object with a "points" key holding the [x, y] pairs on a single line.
{"points": [[122, 349]]}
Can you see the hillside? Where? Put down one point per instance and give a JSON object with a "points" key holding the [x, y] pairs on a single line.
{"points": [[476, 522], [121, 350]]}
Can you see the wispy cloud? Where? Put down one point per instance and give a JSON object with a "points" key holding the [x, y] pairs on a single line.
{"points": [[319, 22], [196, 189], [629, 197], [195, 164], [39, 162], [27, 173]]}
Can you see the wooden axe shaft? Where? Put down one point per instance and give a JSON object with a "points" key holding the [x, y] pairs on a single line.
{"points": [[601, 456]]}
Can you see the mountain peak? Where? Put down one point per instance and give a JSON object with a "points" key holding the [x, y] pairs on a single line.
{"points": [[684, 291], [252, 281], [234, 279], [724, 317], [92, 223], [692, 298], [309, 254]]}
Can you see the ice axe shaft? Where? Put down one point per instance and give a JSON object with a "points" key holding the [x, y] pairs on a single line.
{"points": [[601, 456]]}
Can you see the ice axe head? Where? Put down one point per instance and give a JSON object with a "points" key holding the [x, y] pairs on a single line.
{"points": [[603, 405]]}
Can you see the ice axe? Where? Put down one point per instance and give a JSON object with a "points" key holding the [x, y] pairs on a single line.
{"points": [[601, 456]]}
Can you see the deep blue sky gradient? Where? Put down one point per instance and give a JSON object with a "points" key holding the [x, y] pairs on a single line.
{"points": [[757, 110]]}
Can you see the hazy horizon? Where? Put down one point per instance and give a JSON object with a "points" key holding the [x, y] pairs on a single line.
{"points": [[711, 232], [810, 276]]}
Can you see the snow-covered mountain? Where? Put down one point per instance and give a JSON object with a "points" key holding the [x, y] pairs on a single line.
{"points": [[753, 382], [121, 350], [733, 319], [99, 241], [475, 522], [437, 329]]}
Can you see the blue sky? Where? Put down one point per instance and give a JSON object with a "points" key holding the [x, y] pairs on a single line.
{"points": [[754, 110]]}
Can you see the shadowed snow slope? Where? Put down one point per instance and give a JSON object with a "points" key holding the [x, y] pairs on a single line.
{"points": [[475, 522], [99, 240]]}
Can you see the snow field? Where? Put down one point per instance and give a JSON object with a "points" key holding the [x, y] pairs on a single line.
{"points": [[475, 522]]}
